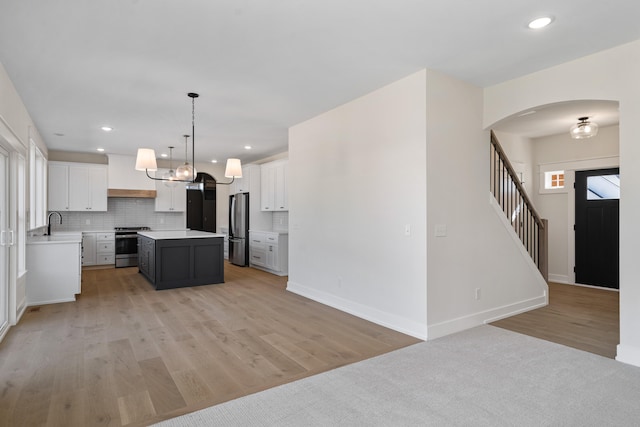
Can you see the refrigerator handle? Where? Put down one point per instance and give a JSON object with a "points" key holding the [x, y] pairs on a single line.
{"points": [[233, 215]]}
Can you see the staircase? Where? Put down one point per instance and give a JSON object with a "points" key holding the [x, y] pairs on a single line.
{"points": [[516, 205]]}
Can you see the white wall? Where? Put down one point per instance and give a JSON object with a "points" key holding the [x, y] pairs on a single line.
{"points": [[563, 153], [357, 176], [607, 75], [401, 156], [519, 150], [480, 249]]}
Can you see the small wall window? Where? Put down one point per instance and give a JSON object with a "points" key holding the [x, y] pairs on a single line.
{"points": [[553, 180]]}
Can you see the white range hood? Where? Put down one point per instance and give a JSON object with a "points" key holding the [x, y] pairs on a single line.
{"points": [[126, 181]]}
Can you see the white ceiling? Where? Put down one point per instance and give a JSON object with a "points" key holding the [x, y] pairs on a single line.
{"points": [[262, 66]]}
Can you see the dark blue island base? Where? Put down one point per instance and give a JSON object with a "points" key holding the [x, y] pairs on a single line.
{"points": [[181, 262]]}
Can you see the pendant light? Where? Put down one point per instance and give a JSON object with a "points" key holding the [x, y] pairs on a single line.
{"points": [[170, 178], [146, 159], [583, 129], [186, 172]]}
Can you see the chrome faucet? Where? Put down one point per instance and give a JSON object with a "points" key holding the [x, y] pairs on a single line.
{"points": [[49, 221]]}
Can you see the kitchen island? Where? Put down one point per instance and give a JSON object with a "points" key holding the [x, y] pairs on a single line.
{"points": [[176, 259]]}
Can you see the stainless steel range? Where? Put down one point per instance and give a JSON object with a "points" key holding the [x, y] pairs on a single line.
{"points": [[127, 246]]}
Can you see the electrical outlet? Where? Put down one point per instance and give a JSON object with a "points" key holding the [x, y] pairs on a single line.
{"points": [[477, 293], [87, 222]]}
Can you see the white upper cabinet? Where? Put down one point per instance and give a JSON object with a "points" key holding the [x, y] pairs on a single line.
{"points": [[77, 187], [170, 199], [58, 187], [274, 187]]}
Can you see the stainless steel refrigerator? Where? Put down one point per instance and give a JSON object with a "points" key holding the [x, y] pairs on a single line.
{"points": [[239, 229]]}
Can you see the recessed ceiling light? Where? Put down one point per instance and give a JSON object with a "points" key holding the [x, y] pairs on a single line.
{"points": [[164, 155], [214, 161], [247, 147], [106, 128], [540, 22], [100, 149]]}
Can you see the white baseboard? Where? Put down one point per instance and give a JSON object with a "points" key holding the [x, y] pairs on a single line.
{"points": [[559, 278], [32, 303], [466, 322], [388, 320], [629, 355]]}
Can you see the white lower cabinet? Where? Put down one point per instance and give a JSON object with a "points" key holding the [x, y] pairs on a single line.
{"points": [[88, 249], [269, 251], [98, 248], [105, 248], [54, 273]]}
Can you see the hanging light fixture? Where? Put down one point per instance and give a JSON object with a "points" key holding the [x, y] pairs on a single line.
{"points": [[186, 172], [583, 129], [170, 178], [146, 159]]}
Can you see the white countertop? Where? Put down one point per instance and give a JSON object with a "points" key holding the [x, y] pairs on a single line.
{"points": [[55, 238], [178, 234], [271, 231]]}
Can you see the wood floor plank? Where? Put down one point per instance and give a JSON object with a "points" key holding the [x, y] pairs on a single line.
{"points": [[135, 408], [125, 369], [124, 354], [164, 392], [307, 360], [67, 409], [192, 388]]}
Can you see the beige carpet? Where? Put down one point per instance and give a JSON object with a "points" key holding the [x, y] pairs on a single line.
{"points": [[485, 376]]}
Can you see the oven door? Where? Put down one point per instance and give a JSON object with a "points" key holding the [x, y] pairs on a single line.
{"points": [[126, 250]]}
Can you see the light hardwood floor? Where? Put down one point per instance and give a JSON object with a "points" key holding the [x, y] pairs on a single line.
{"points": [[124, 354], [580, 317]]}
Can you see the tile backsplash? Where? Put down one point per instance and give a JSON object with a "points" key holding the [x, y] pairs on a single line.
{"points": [[280, 221], [121, 212]]}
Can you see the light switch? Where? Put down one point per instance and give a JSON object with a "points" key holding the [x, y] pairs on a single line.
{"points": [[407, 230], [441, 230]]}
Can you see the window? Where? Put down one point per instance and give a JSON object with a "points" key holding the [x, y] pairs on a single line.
{"points": [[22, 220], [37, 187], [553, 180], [603, 187]]}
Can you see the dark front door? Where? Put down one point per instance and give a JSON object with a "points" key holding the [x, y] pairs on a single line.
{"points": [[597, 227]]}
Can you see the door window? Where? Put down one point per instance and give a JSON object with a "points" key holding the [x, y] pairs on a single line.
{"points": [[603, 187]]}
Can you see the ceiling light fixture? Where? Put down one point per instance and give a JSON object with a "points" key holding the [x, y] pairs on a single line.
{"points": [[583, 129], [106, 128], [100, 150], [146, 158], [541, 22]]}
